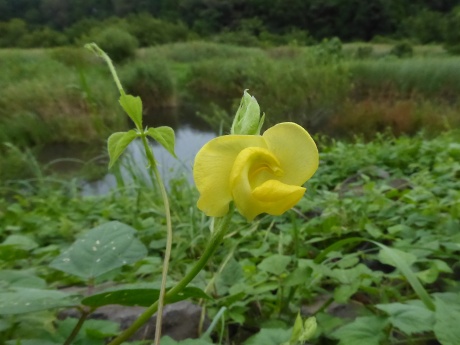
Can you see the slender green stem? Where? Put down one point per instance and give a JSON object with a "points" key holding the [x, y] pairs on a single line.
{"points": [[98, 51], [213, 244], [76, 329]]}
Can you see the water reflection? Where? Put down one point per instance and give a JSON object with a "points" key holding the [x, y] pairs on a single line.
{"points": [[188, 142]]}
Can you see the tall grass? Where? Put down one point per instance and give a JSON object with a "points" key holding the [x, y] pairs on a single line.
{"points": [[427, 78], [67, 95], [69, 104]]}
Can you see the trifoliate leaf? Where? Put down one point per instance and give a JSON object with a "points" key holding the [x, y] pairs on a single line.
{"points": [[165, 137], [117, 144], [133, 107]]}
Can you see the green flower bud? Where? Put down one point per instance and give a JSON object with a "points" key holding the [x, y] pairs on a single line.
{"points": [[247, 119]]}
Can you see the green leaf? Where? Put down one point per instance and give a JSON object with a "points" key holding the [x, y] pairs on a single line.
{"points": [[398, 259], [411, 317], [165, 137], [26, 300], [32, 342], [387, 257], [117, 144], [447, 316], [169, 341], [367, 330], [24, 278], [275, 264], [269, 336], [138, 295], [303, 331], [133, 107], [100, 250], [21, 242]]}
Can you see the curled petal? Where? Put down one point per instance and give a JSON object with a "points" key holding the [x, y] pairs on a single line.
{"points": [[254, 185], [295, 150], [212, 168]]}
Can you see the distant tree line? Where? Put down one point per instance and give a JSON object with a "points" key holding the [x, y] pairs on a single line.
{"points": [[29, 23]]}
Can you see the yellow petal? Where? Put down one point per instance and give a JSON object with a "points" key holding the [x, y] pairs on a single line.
{"points": [[254, 187], [295, 150], [277, 196], [212, 168]]}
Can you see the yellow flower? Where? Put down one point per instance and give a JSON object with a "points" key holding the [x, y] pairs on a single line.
{"points": [[260, 173]]}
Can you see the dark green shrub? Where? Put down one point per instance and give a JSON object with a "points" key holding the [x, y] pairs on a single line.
{"points": [[363, 52], [239, 38], [151, 31], [12, 32], [44, 38], [329, 50], [152, 81], [426, 27], [402, 49], [71, 56], [452, 33], [117, 43]]}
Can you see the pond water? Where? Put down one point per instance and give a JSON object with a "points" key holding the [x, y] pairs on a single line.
{"points": [[191, 133], [189, 140]]}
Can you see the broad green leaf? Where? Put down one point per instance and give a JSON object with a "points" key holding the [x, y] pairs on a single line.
{"points": [[275, 264], [21, 242], [387, 257], [411, 317], [24, 278], [165, 137], [367, 330], [117, 144], [133, 107], [32, 342], [100, 250], [138, 295], [269, 336], [169, 341], [92, 332], [447, 315], [26, 300], [4, 325], [343, 292]]}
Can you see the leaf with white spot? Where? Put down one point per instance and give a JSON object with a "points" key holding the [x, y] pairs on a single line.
{"points": [[100, 250], [25, 300]]}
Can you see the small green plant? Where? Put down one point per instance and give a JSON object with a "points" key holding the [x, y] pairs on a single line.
{"points": [[402, 50]]}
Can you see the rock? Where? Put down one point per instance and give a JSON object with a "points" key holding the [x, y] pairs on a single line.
{"points": [[180, 320]]}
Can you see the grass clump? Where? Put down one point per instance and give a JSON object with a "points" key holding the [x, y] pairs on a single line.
{"points": [[119, 44], [152, 81]]}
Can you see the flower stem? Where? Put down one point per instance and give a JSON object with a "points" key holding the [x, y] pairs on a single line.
{"points": [[213, 244], [169, 238]]}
